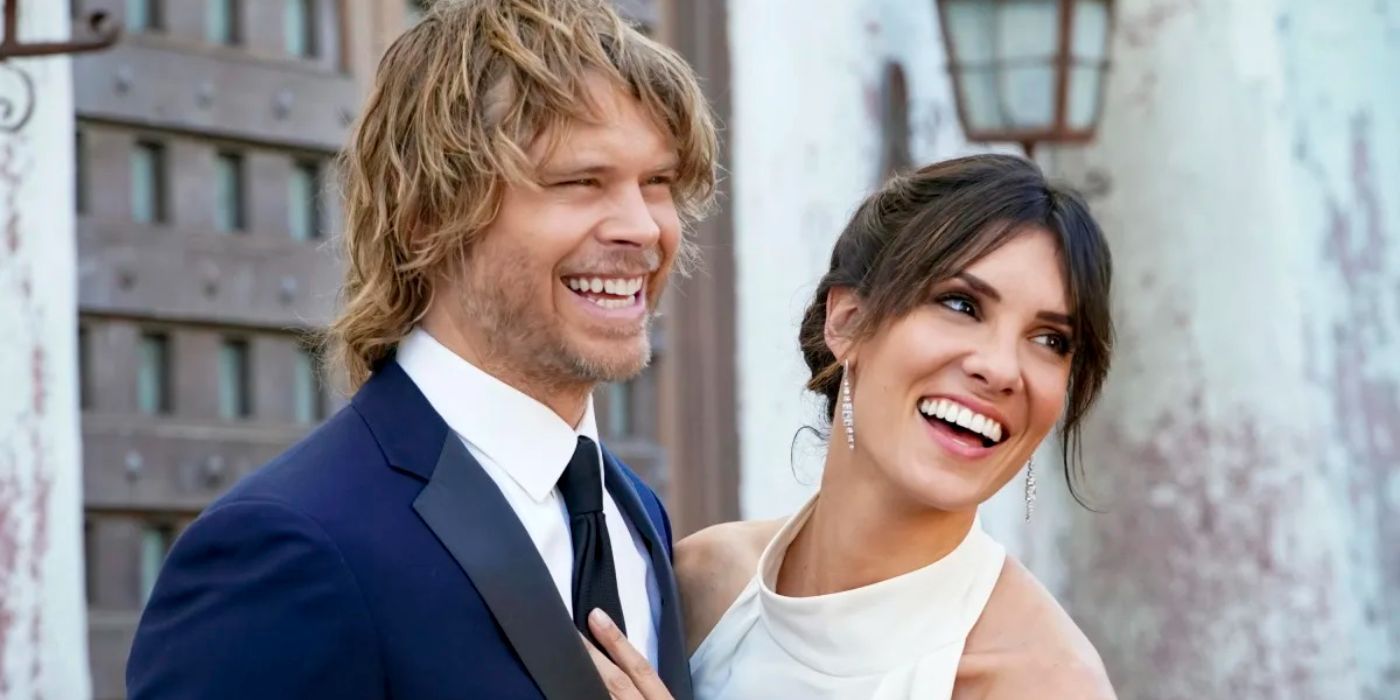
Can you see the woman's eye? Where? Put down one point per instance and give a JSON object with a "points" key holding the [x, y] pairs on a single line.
{"points": [[1056, 342], [665, 180], [960, 304]]}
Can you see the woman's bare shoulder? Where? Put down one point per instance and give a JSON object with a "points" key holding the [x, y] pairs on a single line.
{"points": [[1026, 645], [712, 568]]}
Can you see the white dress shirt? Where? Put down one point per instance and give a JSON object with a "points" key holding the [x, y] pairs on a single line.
{"points": [[524, 447]]}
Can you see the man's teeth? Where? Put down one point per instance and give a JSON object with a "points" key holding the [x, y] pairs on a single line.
{"points": [[956, 413], [622, 293], [614, 303], [597, 285]]}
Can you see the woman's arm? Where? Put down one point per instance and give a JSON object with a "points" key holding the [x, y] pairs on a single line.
{"points": [[1026, 645]]}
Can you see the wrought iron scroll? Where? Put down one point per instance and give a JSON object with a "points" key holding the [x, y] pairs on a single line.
{"points": [[92, 31]]}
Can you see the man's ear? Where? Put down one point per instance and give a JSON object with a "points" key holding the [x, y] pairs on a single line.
{"points": [[842, 314]]}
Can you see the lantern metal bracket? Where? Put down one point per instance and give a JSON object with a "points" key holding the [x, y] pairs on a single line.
{"points": [[93, 31]]}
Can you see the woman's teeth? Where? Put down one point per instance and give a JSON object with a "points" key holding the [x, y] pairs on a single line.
{"points": [[962, 416]]}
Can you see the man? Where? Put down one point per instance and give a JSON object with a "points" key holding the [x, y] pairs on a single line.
{"points": [[515, 194]]}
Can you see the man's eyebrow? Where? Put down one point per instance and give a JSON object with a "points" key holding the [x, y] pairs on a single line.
{"points": [[590, 167], [575, 167]]}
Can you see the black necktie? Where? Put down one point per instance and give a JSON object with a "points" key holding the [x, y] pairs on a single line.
{"points": [[595, 579]]}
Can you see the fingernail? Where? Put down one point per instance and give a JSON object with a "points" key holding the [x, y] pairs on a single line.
{"points": [[600, 618]]}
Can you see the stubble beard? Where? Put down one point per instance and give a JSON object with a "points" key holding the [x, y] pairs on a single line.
{"points": [[519, 341]]}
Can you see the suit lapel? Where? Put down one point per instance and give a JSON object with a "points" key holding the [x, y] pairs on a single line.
{"points": [[673, 667], [467, 512]]}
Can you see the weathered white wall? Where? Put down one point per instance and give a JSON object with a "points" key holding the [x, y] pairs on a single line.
{"points": [[1247, 446], [1250, 435], [43, 634]]}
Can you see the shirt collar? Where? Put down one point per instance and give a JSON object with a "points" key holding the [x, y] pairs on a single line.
{"points": [[527, 439]]}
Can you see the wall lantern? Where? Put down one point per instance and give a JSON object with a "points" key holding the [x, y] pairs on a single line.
{"points": [[1027, 71]]}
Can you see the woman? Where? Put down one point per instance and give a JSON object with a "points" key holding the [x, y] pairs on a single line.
{"points": [[964, 315]]}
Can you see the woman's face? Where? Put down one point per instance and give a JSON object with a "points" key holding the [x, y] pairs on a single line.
{"points": [[952, 399]]}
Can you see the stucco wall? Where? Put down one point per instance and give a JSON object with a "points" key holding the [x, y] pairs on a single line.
{"points": [[43, 640], [1250, 434]]}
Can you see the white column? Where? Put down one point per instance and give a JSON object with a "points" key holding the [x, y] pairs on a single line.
{"points": [[43, 633], [1248, 443]]}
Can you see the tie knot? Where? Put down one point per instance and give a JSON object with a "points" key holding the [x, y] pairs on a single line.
{"points": [[582, 483]]}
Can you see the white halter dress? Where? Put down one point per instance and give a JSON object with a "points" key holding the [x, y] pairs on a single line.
{"points": [[898, 639]]}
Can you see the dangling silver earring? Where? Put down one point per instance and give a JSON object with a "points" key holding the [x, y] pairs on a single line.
{"points": [[848, 410], [1030, 489]]}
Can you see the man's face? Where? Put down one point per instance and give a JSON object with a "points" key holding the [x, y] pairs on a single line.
{"points": [[561, 286]]}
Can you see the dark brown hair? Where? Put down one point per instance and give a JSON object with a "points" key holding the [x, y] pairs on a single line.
{"points": [[924, 227]]}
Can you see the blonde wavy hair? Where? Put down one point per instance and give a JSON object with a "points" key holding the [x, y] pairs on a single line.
{"points": [[457, 102]]}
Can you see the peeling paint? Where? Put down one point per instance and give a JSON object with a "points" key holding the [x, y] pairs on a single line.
{"points": [[1139, 23], [43, 649], [1366, 388], [12, 507], [12, 219], [36, 376], [9, 556], [1191, 572]]}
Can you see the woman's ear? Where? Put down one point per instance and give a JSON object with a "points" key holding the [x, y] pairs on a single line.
{"points": [[842, 314]]}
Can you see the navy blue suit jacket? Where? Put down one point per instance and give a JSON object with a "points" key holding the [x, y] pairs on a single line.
{"points": [[375, 559]]}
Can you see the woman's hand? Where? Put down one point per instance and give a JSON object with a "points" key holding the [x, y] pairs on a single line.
{"points": [[627, 675]]}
